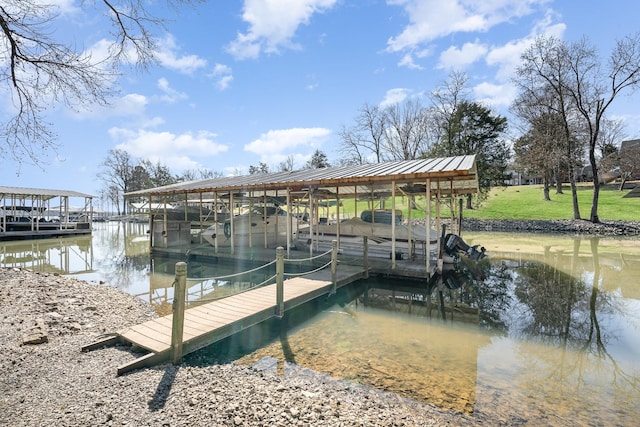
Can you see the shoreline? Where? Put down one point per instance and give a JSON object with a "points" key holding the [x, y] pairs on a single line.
{"points": [[47, 318], [563, 226]]}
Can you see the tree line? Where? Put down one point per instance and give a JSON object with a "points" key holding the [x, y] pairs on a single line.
{"points": [[446, 123], [121, 173]]}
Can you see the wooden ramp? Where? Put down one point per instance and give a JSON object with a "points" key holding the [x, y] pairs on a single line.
{"points": [[213, 321]]}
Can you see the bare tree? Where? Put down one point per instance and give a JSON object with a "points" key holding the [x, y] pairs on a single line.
{"points": [[408, 131], [538, 151], [195, 174], [445, 99], [542, 79], [118, 175], [593, 90], [584, 88], [287, 165], [364, 142], [40, 70], [612, 133]]}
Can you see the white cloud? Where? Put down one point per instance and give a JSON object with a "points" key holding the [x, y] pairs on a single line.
{"points": [[275, 146], [507, 56], [432, 19], [394, 96], [130, 105], [272, 25], [495, 95], [167, 55], [178, 152], [454, 58], [170, 95], [407, 61], [223, 76]]}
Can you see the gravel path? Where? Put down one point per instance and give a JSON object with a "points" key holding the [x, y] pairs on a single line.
{"points": [[47, 381]]}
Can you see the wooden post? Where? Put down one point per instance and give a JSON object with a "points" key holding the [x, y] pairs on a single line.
{"points": [[178, 312], [393, 225], [428, 227], [365, 255], [334, 265], [279, 281], [289, 225], [231, 224], [460, 218]]}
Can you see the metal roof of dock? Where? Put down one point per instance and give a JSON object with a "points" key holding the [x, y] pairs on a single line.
{"points": [[459, 172], [42, 193]]}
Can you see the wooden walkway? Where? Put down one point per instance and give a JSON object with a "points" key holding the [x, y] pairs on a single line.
{"points": [[213, 321]]}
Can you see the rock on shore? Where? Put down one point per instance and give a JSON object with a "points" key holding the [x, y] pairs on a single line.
{"points": [[568, 226], [46, 380]]}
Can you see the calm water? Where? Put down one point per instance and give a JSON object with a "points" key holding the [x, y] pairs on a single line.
{"points": [[547, 332]]}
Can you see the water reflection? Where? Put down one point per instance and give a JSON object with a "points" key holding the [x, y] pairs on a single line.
{"points": [[547, 331], [64, 256]]}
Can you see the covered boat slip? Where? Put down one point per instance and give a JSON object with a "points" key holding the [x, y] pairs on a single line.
{"points": [[305, 198], [33, 213]]}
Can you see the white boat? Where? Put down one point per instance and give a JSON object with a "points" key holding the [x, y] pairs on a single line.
{"points": [[377, 227], [251, 228]]}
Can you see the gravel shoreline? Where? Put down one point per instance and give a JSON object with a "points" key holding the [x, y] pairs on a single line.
{"points": [[47, 380], [567, 226]]}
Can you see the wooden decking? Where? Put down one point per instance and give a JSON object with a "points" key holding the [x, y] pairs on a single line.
{"points": [[213, 321]]}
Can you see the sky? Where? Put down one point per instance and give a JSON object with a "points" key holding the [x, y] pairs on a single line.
{"points": [[243, 82]]}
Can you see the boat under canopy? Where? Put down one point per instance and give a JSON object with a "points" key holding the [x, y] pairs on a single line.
{"points": [[307, 195]]}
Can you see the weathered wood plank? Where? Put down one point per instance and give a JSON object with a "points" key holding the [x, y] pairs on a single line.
{"points": [[103, 342]]}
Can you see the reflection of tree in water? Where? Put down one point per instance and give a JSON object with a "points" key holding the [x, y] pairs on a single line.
{"points": [[119, 269], [562, 306], [557, 303], [565, 310], [494, 298]]}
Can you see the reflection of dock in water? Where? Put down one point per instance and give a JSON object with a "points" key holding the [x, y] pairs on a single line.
{"points": [[72, 255], [437, 304]]}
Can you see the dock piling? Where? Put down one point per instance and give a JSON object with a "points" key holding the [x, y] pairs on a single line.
{"points": [[365, 256], [279, 281], [334, 264], [177, 327]]}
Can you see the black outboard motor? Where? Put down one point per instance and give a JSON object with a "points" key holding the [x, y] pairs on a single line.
{"points": [[454, 244]]}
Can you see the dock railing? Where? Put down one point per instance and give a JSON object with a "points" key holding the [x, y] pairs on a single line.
{"points": [[180, 284]]}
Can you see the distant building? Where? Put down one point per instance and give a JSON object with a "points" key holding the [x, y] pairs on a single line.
{"points": [[518, 178]]}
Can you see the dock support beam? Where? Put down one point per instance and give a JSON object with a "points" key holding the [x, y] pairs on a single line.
{"points": [[177, 327], [365, 256], [334, 265], [279, 281]]}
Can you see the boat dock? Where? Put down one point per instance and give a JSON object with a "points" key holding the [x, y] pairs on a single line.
{"points": [[33, 213], [213, 321]]}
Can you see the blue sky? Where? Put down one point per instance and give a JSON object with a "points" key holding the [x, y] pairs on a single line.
{"points": [[243, 82]]}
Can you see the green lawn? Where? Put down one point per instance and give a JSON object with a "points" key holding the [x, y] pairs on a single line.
{"points": [[527, 202]]}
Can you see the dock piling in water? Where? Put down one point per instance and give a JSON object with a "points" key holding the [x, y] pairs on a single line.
{"points": [[178, 312], [279, 281]]}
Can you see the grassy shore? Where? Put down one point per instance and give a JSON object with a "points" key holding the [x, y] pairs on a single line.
{"points": [[527, 202]]}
